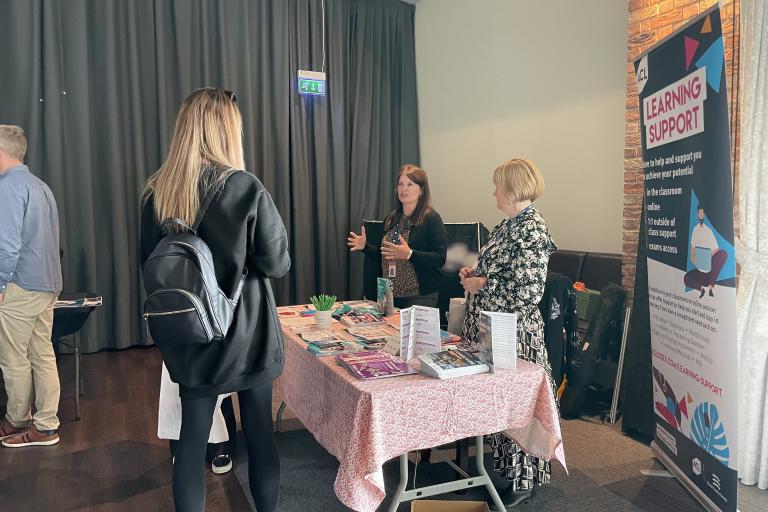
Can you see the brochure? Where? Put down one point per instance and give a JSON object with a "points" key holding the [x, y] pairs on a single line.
{"points": [[419, 331], [374, 365], [497, 340]]}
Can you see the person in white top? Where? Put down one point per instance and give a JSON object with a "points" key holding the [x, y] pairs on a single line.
{"points": [[706, 256]]}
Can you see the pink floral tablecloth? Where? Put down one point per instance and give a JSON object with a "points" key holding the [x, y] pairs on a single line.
{"points": [[366, 423]]}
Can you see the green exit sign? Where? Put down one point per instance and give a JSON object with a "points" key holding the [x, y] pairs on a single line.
{"points": [[310, 86], [312, 83]]}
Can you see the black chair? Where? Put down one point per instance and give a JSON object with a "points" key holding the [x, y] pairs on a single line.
{"points": [[601, 268], [67, 321], [472, 234], [568, 263]]}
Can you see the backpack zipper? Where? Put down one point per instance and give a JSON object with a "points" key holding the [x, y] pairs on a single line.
{"points": [[202, 312], [164, 313]]}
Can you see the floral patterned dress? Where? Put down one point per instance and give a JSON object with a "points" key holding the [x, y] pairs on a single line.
{"points": [[514, 262]]}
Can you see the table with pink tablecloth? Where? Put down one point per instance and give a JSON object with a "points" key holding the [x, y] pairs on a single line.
{"points": [[366, 423]]}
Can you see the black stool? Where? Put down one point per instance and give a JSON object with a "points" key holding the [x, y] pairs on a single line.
{"points": [[68, 320]]}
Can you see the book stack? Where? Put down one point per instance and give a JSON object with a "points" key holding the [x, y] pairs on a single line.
{"points": [[374, 365], [451, 363]]}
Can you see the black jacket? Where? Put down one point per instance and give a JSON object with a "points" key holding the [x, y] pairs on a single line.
{"points": [[428, 242], [243, 228], [558, 309]]}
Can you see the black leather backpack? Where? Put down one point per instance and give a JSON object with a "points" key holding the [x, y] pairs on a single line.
{"points": [[184, 304]]}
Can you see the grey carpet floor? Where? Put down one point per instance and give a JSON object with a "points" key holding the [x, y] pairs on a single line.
{"points": [[604, 474]]}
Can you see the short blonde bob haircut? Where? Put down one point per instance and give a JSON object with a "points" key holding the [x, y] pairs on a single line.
{"points": [[519, 179]]}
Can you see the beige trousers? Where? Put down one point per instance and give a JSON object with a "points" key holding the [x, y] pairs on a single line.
{"points": [[27, 359]]}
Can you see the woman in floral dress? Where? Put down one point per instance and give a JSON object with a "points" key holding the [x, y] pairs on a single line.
{"points": [[509, 277]]}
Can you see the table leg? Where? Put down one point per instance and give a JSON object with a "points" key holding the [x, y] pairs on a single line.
{"points": [[397, 498], [462, 460], [76, 348], [80, 365], [479, 454], [279, 418]]}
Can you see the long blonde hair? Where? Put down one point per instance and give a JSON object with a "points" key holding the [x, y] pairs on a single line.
{"points": [[207, 146]]}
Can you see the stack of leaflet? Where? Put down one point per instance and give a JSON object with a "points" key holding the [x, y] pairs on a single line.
{"points": [[84, 302], [362, 316], [373, 337], [333, 348], [451, 363], [374, 365], [327, 342]]}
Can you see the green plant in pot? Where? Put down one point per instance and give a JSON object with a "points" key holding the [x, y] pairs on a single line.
{"points": [[323, 305]]}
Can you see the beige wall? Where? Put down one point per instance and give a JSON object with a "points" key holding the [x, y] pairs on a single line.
{"points": [[542, 79]]}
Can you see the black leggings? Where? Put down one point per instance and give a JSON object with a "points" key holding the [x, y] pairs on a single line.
{"points": [[228, 447], [263, 459]]}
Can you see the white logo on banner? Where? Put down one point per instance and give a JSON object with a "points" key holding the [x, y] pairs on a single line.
{"points": [[642, 74], [715, 482], [696, 463]]}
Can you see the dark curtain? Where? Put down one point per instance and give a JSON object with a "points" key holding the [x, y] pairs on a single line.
{"points": [[97, 85]]}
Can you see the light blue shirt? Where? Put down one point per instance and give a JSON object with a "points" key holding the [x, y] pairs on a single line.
{"points": [[29, 233]]}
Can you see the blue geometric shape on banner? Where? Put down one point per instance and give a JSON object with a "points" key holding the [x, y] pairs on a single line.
{"points": [[713, 60], [729, 269], [708, 432]]}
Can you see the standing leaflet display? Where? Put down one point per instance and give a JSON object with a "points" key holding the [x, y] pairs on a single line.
{"points": [[691, 258]]}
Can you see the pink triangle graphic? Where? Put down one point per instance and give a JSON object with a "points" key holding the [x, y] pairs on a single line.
{"points": [[691, 45]]}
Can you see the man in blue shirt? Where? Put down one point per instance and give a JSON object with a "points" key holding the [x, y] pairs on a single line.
{"points": [[30, 282]]}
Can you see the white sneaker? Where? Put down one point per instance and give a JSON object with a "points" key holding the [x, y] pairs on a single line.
{"points": [[221, 464]]}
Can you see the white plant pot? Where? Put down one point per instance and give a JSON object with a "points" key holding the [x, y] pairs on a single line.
{"points": [[323, 318]]}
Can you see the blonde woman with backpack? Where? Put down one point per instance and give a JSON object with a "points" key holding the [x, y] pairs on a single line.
{"points": [[202, 193]]}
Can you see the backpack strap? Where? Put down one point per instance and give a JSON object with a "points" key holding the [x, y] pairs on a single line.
{"points": [[206, 203], [175, 221], [239, 288]]}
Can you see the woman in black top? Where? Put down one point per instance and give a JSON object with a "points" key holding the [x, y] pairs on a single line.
{"points": [[413, 247], [243, 229]]}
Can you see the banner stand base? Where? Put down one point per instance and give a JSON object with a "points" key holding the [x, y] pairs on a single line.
{"points": [[683, 479]]}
